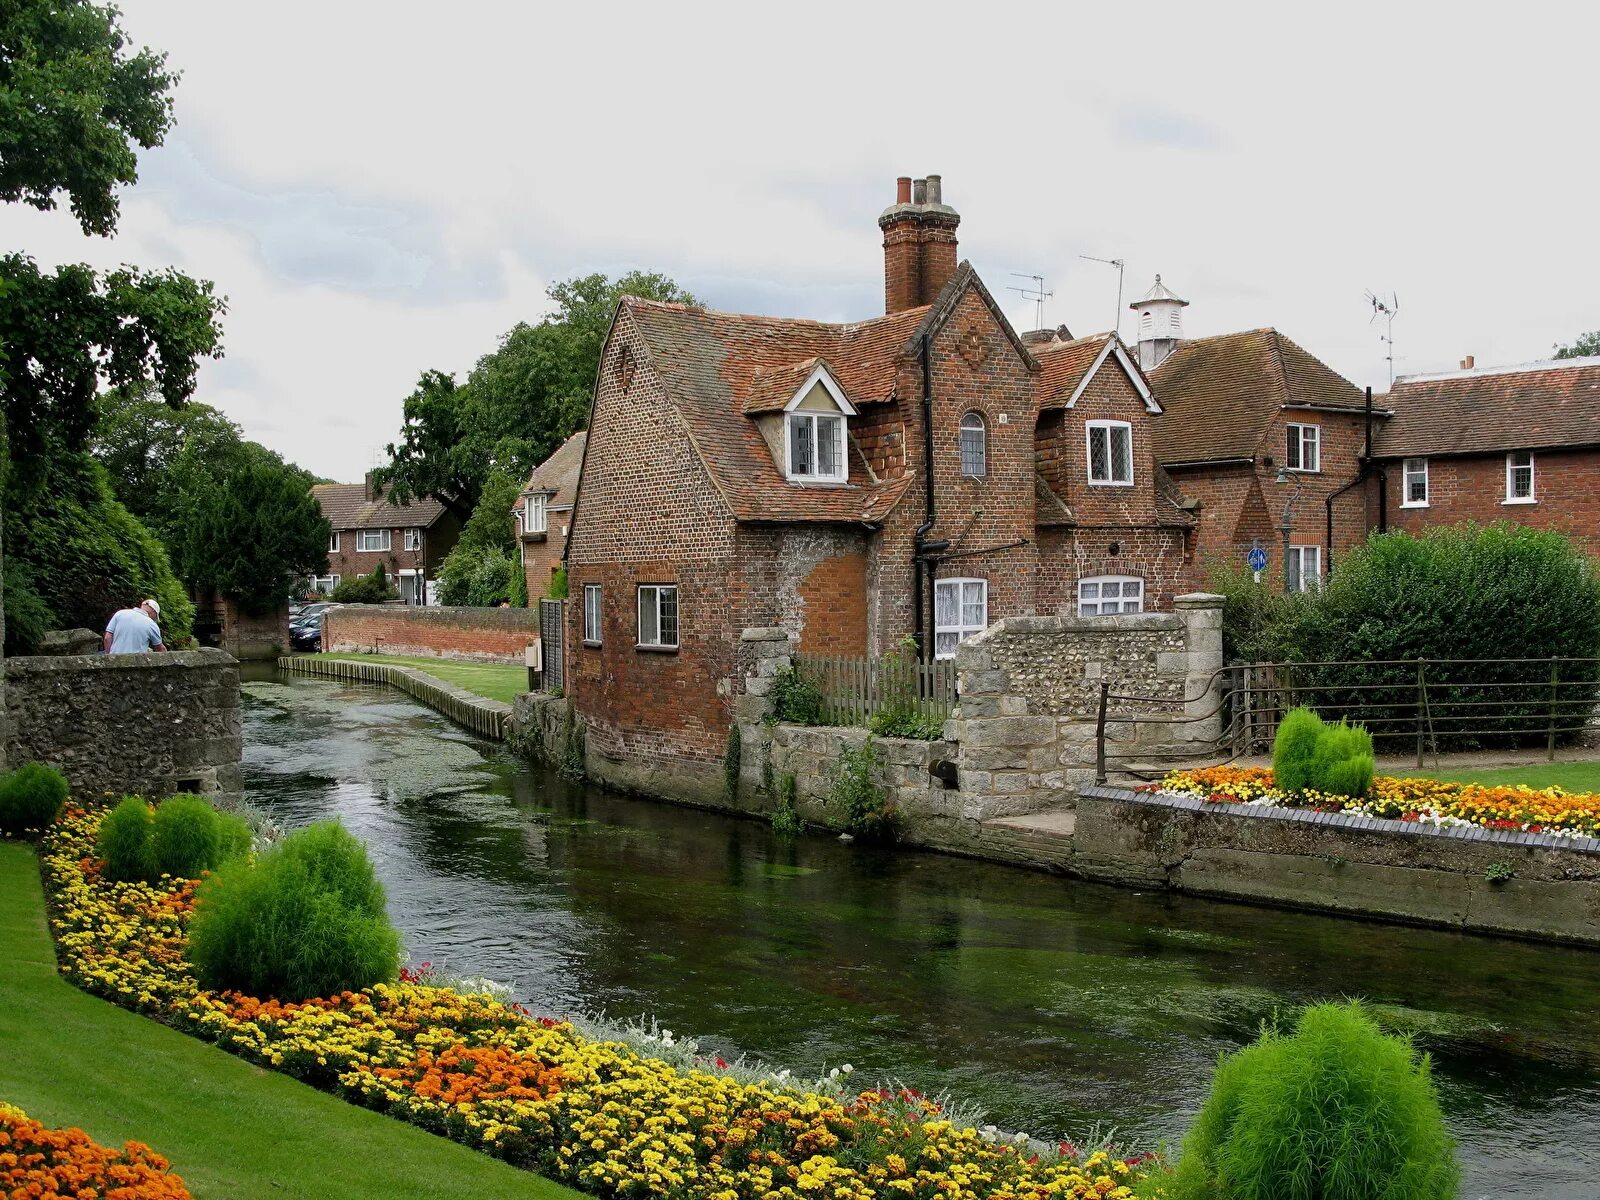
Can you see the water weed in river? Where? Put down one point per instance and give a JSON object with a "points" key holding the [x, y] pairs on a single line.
{"points": [[587, 1109]]}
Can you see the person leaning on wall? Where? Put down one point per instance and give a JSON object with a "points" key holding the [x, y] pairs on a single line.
{"points": [[134, 630]]}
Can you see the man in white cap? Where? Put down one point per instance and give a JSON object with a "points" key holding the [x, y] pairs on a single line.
{"points": [[134, 630]]}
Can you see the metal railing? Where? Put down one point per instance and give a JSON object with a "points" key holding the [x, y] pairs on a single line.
{"points": [[853, 689], [1422, 705]]}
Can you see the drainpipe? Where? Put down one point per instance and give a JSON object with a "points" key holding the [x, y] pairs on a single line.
{"points": [[919, 632], [1361, 477]]}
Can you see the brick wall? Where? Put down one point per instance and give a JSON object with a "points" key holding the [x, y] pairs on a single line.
{"points": [[541, 553], [1566, 492], [1160, 557], [486, 634], [347, 562], [254, 636]]}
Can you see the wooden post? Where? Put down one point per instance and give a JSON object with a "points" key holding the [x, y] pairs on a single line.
{"points": [[1100, 735]]}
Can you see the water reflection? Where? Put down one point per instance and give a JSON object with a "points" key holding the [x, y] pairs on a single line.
{"points": [[1059, 1005]]}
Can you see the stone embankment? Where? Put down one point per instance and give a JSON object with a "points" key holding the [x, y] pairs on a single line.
{"points": [[490, 718]]}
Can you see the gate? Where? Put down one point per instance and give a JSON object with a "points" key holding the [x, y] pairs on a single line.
{"points": [[552, 626]]}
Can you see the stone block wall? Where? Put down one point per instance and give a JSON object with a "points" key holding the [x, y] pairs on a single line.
{"points": [[151, 724], [905, 772], [251, 636], [499, 635]]}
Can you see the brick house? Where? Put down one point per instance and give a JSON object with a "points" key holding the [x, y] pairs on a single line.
{"points": [[410, 540], [1518, 443], [757, 471], [543, 513], [1241, 408]]}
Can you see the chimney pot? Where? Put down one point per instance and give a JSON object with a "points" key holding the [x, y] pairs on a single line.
{"points": [[919, 192], [935, 190], [1467, 363], [902, 190]]}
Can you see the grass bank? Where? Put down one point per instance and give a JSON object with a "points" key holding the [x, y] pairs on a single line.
{"points": [[492, 681], [230, 1128]]}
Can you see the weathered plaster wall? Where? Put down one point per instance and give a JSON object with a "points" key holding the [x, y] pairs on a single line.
{"points": [[128, 723]]}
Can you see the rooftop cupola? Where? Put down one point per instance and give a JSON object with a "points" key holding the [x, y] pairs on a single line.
{"points": [[1160, 324], [919, 243]]}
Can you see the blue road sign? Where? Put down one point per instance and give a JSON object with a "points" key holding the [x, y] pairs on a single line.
{"points": [[1257, 559]]}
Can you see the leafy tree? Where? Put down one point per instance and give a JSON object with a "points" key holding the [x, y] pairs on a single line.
{"points": [[480, 570], [519, 403], [138, 438], [1586, 345]]}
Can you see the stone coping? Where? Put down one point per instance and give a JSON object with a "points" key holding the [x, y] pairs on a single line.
{"points": [[1344, 821], [39, 664]]}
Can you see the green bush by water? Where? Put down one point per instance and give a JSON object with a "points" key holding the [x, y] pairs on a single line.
{"points": [[124, 841], [857, 796], [306, 919], [31, 797], [786, 820], [730, 764], [1294, 750], [1336, 1110], [365, 589], [797, 697], [1344, 762]]}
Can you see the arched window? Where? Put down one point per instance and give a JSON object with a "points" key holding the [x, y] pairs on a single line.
{"points": [[974, 446]]}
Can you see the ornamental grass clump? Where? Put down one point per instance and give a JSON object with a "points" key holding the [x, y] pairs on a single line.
{"points": [[1344, 763], [31, 797], [305, 920], [185, 837], [1335, 1110], [124, 841], [1294, 750]]}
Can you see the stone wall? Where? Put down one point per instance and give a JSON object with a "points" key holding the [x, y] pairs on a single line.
{"points": [[151, 724], [1396, 870], [484, 634], [251, 636], [905, 771]]}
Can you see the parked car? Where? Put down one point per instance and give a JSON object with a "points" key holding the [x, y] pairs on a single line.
{"points": [[305, 627]]}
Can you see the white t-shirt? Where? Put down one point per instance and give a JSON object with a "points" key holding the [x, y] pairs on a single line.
{"points": [[132, 631]]}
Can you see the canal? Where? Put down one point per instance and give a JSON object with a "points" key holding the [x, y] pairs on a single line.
{"points": [[1060, 1006]]}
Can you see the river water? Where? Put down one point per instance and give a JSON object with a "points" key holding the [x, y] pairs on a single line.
{"points": [[1060, 1006]]}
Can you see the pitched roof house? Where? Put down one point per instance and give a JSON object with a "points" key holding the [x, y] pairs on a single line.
{"points": [[1243, 410], [1484, 444], [410, 540], [920, 473], [543, 513]]}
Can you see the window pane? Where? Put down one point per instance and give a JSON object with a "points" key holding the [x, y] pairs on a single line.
{"points": [[973, 450], [649, 627], [1088, 610], [669, 616], [944, 644], [1099, 458], [828, 429], [945, 604], [1310, 455], [1291, 456], [1089, 589], [1122, 454], [800, 460]]}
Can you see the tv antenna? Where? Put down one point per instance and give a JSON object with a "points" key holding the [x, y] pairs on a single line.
{"points": [[1119, 264], [1036, 293], [1387, 309]]}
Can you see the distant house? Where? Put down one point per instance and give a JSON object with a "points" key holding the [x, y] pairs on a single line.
{"points": [[1518, 443], [918, 474], [410, 540], [544, 513], [1239, 411]]}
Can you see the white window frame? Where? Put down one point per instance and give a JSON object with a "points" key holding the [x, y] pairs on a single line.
{"points": [[1299, 555], [815, 419], [961, 627], [317, 582], [535, 513], [1109, 427], [657, 593], [1512, 467], [361, 541], [1301, 438], [1129, 589], [592, 613], [973, 423], [333, 542], [1413, 469], [413, 539]]}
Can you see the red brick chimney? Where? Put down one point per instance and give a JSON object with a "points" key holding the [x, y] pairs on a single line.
{"points": [[919, 243], [372, 486], [1466, 363]]}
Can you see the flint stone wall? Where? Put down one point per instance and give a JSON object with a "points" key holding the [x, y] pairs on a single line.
{"points": [[151, 724]]}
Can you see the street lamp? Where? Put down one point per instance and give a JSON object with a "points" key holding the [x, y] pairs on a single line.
{"points": [[1284, 476]]}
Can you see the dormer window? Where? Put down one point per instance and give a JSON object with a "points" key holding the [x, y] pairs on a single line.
{"points": [[815, 439], [534, 519]]}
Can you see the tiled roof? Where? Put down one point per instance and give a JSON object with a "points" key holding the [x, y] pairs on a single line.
{"points": [[1220, 393], [1062, 366], [1494, 409], [346, 506], [717, 367], [558, 474]]}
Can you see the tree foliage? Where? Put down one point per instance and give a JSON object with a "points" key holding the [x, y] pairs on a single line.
{"points": [[482, 569], [519, 403], [139, 439], [75, 100], [1585, 345]]}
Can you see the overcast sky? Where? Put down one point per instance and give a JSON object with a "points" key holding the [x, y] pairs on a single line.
{"points": [[380, 189]]}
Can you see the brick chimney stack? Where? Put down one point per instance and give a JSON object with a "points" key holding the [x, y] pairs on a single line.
{"points": [[1467, 363], [372, 486], [919, 243]]}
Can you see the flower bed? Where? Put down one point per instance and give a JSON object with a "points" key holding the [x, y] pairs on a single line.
{"points": [[592, 1112], [49, 1163], [1524, 809]]}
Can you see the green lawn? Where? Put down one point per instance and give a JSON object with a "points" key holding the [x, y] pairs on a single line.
{"points": [[492, 681], [230, 1128], [1573, 777]]}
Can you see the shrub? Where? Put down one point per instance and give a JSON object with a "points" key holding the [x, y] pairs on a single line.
{"points": [[1343, 764], [304, 920], [124, 841], [797, 697], [860, 799], [558, 585], [365, 589], [31, 797], [1336, 1110], [1294, 750], [786, 820], [730, 763]]}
